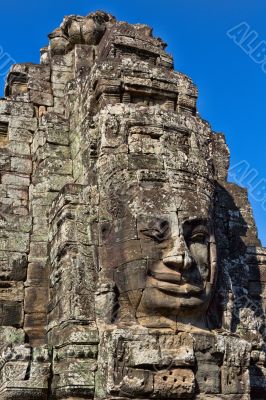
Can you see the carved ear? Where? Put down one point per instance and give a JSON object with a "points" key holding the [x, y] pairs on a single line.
{"points": [[221, 156], [213, 260]]}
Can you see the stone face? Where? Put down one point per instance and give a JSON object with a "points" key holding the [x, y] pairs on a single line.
{"points": [[129, 266]]}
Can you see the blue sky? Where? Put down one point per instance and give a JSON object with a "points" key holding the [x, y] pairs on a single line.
{"points": [[232, 86]]}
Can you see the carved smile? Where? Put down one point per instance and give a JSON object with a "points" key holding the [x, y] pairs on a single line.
{"points": [[174, 277], [183, 289]]}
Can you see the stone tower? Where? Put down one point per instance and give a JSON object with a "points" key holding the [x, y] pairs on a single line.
{"points": [[129, 266]]}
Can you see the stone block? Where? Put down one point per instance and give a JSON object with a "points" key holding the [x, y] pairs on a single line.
{"points": [[14, 241], [50, 150], [39, 86], [17, 134], [36, 299], [35, 327], [41, 98], [21, 165], [19, 148], [18, 242], [15, 179], [73, 333], [257, 271], [146, 161], [38, 140], [21, 210], [14, 266], [237, 352], [4, 106], [11, 313], [144, 350], [21, 224], [11, 291], [38, 250], [17, 193], [39, 72], [208, 378], [49, 166], [61, 77], [136, 382], [58, 136], [177, 350], [174, 383], [37, 275], [15, 371], [52, 183], [59, 105], [19, 109], [24, 123], [11, 336], [235, 380], [5, 162], [75, 373]]}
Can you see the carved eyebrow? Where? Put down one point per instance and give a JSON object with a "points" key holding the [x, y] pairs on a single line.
{"points": [[196, 225], [200, 229], [156, 223], [157, 229]]}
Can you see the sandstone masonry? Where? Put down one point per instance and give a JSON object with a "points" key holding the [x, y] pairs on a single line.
{"points": [[129, 266]]}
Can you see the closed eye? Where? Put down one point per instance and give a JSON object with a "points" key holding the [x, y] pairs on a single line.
{"points": [[159, 233], [201, 238]]}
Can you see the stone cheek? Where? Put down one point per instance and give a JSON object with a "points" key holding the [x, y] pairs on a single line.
{"points": [[129, 266]]}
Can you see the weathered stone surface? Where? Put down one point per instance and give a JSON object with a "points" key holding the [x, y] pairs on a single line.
{"points": [[176, 383], [35, 300], [235, 380], [208, 378], [129, 266], [11, 313]]}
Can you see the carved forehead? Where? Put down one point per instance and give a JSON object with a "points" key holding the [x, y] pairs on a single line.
{"points": [[180, 142], [154, 162], [124, 120], [124, 194], [135, 117]]}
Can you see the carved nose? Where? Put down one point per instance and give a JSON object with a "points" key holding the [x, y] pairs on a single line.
{"points": [[174, 262], [178, 262], [177, 257]]}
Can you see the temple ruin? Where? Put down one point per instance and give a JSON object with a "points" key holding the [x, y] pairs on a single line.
{"points": [[129, 266]]}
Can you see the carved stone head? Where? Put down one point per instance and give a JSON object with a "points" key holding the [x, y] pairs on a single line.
{"points": [[157, 239]]}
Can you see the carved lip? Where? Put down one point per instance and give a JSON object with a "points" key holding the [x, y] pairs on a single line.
{"points": [[174, 277], [183, 289]]}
